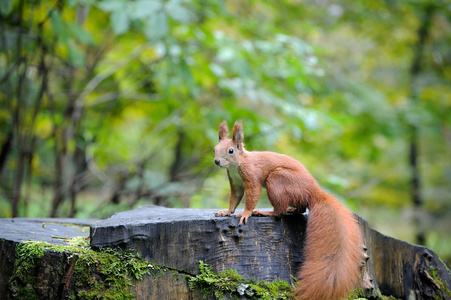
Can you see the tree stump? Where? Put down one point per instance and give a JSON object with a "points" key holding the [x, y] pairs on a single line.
{"points": [[266, 248]]}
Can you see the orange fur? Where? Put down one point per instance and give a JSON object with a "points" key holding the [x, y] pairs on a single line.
{"points": [[333, 247]]}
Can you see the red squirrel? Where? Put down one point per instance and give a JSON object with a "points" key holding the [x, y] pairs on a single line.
{"points": [[333, 246]]}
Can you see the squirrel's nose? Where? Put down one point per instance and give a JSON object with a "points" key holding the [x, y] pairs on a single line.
{"points": [[217, 161]]}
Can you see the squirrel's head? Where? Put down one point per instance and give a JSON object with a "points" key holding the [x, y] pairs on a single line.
{"points": [[228, 151]]}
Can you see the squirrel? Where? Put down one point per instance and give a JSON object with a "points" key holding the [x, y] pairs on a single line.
{"points": [[333, 247]]}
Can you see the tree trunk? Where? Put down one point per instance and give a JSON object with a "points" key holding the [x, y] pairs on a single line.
{"points": [[6, 149], [415, 71]]}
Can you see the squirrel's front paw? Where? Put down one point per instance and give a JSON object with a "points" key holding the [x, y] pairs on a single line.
{"points": [[244, 217], [223, 213]]}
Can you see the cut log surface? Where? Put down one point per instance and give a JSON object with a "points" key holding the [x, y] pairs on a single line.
{"points": [[264, 249], [43, 229]]}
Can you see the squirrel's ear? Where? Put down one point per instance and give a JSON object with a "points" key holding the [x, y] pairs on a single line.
{"points": [[223, 131], [238, 133]]}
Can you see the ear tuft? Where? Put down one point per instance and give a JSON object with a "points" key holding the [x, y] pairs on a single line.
{"points": [[238, 134], [223, 131]]}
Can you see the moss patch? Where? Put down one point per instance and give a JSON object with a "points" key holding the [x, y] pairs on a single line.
{"points": [[445, 265], [230, 283], [359, 294], [443, 286], [106, 274]]}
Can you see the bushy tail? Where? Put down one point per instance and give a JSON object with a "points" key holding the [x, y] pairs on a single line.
{"points": [[333, 252]]}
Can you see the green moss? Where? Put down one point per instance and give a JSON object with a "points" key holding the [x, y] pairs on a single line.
{"points": [[27, 255], [356, 294], [359, 294], [273, 290], [231, 283], [443, 286], [97, 275], [445, 265]]}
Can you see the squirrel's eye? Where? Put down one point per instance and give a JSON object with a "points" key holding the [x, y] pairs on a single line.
{"points": [[231, 151]]}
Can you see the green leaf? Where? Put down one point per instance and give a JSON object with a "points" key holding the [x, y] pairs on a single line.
{"points": [[112, 5], [76, 55], [178, 12], [80, 34], [119, 17], [145, 8], [6, 7], [58, 26], [161, 24], [119, 21], [217, 69], [187, 77], [154, 179], [157, 27]]}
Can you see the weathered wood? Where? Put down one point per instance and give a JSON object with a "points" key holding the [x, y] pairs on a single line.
{"points": [[264, 249], [165, 286], [404, 270], [7, 258]]}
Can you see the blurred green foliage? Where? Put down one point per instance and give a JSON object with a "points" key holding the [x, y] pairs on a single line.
{"points": [[107, 105]]}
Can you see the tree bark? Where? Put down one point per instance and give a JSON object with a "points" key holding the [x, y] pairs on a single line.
{"points": [[17, 123], [415, 71], [6, 149]]}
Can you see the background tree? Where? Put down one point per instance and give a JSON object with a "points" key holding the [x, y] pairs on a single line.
{"points": [[107, 105]]}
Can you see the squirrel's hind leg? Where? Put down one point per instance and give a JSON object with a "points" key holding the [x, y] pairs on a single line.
{"points": [[282, 190]]}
